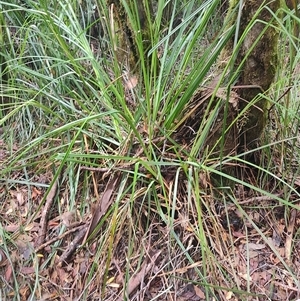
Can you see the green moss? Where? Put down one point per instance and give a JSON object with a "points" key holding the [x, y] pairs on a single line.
{"points": [[126, 28], [258, 56]]}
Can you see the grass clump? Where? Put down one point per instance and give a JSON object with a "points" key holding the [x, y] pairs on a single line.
{"points": [[119, 167]]}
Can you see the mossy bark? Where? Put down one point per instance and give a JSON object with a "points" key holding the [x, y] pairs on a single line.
{"points": [[258, 54], [255, 56], [126, 29]]}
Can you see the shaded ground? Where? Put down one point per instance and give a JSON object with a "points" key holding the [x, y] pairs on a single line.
{"points": [[254, 245]]}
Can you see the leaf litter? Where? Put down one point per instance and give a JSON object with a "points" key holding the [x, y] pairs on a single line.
{"points": [[262, 271], [156, 266]]}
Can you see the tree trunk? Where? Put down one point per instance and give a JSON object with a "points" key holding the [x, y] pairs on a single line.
{"points": [[258, 58], [255, 58], [130, 25]]}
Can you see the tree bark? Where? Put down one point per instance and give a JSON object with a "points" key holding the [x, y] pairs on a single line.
{"points": [[256, 60], [126, 30], [258, 57]]}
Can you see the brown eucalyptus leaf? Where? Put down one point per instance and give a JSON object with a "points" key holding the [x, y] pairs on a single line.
{"points": [[102, 205]]}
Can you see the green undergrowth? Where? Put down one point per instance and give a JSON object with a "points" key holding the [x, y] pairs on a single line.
{"points": [[68, 105]]}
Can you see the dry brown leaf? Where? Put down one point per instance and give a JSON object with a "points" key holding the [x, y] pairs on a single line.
{"points": [[103, 205], [228, 295], [27, 270], [20, 196], [63, 276], [199, 292], [24, 292], [252, 254], [131, 82], [237, 234], [8, 273], [289, 236], [48, 297], [35, 193], [203, 177], [113, 285], [253, 246], [12, 228], [245, 276], [136, 279], [67, 218]]}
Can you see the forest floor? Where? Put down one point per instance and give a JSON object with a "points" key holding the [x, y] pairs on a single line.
{"points": [[87, 213], [260, 253]]}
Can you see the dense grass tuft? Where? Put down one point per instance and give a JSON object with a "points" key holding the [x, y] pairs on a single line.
{"points": [[135, 176]]}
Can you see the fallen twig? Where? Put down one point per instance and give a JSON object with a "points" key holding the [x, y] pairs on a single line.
{"points": [[73, 245], [260, 198], [103, 205], [53, 240], [45, 213]]}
